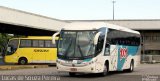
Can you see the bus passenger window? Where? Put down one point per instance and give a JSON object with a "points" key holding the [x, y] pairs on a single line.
{"points": [[41, 43], [100, 44], [48, 44], [25, 43], [35, 43]]}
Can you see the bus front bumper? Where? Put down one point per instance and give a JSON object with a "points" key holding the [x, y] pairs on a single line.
{"points": [[85, 69], [10, 59]]}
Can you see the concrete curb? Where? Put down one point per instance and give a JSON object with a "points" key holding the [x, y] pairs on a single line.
{"points": [[16, 67]]}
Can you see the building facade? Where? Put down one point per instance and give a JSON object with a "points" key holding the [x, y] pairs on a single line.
{"points": [[25, 23]]}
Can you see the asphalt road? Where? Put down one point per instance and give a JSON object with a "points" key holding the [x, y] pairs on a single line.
{"points": [[145, 72]]}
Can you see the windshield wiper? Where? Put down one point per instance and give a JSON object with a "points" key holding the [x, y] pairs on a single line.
{"points": [[66, 53], [90, 48], [80, 51]]}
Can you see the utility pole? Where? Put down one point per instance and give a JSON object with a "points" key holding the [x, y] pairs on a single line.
{"points": [[113, 1]]}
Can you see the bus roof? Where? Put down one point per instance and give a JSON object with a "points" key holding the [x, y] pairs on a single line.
{"points": [[95, 25]]}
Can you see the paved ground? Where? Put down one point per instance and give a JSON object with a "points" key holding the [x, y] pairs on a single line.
{"points": [[144, 72]]}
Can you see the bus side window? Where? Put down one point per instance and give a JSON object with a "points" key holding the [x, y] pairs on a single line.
{"points": [[26, 43], [107, 49], [100, 44], [35, 43], [48, 44], [41, 43]]}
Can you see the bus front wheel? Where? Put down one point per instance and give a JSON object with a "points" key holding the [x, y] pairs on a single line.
{"points": [[22, 61], [105, 71], [131, 69]]}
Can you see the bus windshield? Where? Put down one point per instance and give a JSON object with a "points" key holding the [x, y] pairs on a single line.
{"points": [[76, 45], [12, 47]]}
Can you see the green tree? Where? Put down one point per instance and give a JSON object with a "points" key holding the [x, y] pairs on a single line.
{"points": [[3, 41]]}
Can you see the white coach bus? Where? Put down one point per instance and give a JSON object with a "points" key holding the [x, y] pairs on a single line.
{"points": [[97, 47]]}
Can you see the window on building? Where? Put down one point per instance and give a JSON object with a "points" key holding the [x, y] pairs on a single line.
{"points": [[152, 52]]}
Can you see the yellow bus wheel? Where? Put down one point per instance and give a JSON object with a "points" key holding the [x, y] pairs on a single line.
{"points": [[22, 61]]}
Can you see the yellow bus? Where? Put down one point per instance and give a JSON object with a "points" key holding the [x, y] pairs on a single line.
{"points": [[32, 49]]}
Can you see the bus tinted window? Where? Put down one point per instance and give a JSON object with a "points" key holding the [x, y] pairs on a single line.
{"points": [[117, 37], [25, 43], [100, 43], [35, 43], [48, 43], [12, 46], [41, 43]]}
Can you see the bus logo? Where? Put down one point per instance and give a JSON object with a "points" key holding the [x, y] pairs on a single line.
{"points": [[123, 53]]}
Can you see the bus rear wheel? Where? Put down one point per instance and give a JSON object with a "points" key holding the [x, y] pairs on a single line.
{"points": [[131, 69], [22, 61]]}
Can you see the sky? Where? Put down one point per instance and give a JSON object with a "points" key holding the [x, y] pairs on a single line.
{"points": [[88, 9]]}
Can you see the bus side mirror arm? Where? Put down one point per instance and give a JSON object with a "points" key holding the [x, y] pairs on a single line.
{"points": [[96, 38], [54, 37]]}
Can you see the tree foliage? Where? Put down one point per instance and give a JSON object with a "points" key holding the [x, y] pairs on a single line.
{"points": [[3, 41]]}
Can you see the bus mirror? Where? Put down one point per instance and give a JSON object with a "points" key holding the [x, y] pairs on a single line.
{"points": [[54, 38], [96, 38]]}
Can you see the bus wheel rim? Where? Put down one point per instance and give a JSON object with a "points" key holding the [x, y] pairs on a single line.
{"points": [[23, 62], [131, 67]]}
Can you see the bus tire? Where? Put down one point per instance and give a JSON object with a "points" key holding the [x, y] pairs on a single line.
{"points": [[131, 69], [106, 69], [22, 61], [72, 74]]}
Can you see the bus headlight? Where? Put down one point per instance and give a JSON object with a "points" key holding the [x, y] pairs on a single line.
{"points": [[91, 62], [59, 62]]}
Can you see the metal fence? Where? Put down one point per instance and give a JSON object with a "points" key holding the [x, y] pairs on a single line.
{"points": [[150, 58]]}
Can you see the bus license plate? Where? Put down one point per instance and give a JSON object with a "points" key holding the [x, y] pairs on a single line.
{"points": [[73, 69]]}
